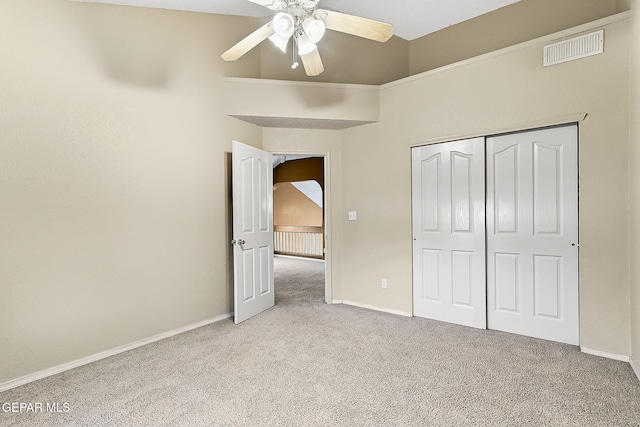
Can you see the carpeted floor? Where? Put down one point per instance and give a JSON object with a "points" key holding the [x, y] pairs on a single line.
{"points": [[305, 363]]}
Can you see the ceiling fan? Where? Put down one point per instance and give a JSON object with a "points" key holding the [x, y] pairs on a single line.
{"points": [[302, 23]]}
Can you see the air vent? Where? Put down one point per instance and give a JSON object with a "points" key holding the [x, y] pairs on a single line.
{"points": [[576, 48]]}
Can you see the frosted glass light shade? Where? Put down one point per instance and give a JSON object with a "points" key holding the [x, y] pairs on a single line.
{"points": [[314, 29], [305, 45], [280, 42], [283, 25]]}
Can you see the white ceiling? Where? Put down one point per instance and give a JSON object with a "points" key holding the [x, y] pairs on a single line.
{"points": [[411, 19]]}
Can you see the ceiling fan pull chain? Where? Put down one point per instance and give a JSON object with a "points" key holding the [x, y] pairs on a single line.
{"points": [[294, 53]]}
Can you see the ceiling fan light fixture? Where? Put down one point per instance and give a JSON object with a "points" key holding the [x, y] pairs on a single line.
{"points": [[305, 45], [284, 25], [300, 23], [314, 29]]}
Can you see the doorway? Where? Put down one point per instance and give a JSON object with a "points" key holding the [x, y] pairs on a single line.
{"points": [[500, 253], [298, 206], [301, 211]]}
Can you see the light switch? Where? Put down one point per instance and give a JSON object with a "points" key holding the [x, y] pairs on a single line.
{"points": [[352, 216]]}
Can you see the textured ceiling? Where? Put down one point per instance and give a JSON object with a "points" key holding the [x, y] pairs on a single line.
{"points": [[411, 19]]}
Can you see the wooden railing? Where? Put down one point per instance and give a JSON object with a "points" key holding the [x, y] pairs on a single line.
{"points": [[299, 241]]}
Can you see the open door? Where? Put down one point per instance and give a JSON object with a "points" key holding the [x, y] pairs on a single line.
{"points": [[252, 180]]}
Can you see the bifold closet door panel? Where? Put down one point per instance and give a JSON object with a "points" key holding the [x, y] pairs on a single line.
{"points": [[448, 203], [532, 233]]}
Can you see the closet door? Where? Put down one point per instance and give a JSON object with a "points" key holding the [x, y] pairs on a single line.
{"points": [[532, 234], [448, 232]]}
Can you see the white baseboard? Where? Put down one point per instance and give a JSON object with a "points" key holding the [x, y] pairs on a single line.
{"points": [[107, 353], [614, 356], [635, 367], [371, 307]]}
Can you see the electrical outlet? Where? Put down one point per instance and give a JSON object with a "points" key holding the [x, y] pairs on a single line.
{"points": [[352, 216], [384, 283]]}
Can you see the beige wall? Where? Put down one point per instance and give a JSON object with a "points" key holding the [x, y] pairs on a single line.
{"points": [[635, 185], [505, 91], [279, 100], [516, 23], [293, 207], [113, 176], [623, 5]]}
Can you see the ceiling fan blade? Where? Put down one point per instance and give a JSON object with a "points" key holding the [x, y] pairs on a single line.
{"points": [[312, 63], [249, 42], [357, 26]]}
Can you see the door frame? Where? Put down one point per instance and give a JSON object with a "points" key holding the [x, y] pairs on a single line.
{"points": [[326, 191]]}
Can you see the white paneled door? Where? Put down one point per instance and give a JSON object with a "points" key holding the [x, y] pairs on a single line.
{"points": [[532, 233], [449, 232], [525, 280], [252, 179]]}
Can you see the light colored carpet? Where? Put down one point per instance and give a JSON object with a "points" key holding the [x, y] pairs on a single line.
{"points": [[307, 363]]}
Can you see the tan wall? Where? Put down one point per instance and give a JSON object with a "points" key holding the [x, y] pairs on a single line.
{"points": [[635, 185], [311, 169], [113, 176], [292, 207], [346, 59], [323, 143], [504, 91], [623, 5], [516, 23]]}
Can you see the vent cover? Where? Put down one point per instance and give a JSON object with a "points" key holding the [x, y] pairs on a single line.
{"points": [[576, 48]]}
